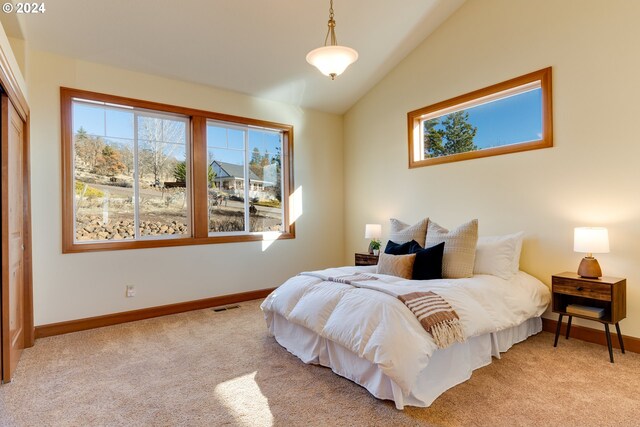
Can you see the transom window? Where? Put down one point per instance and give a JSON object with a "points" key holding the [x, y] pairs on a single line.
{"points": [[140, 174], [508, 117]]}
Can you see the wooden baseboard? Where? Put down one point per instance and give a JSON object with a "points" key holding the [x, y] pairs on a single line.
{"points": [[52, 329], [591, 335]]}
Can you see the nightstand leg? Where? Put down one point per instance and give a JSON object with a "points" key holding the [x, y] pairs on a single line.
{"points": [[608, 334], [568, 328], [620, 337], [555, 343]]}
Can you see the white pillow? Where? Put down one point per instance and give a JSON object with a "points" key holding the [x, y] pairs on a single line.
{"points": [[499, 255], [459, 248], [401, 232]]}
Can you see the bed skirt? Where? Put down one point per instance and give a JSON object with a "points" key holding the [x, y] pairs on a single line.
{"points": [[447, 367]]}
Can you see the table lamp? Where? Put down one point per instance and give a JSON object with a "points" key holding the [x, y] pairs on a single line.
{"points": [[590, 240], [373, 232]]}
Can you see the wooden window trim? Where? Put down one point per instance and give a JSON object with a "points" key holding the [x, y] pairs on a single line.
{"points": [[198, 156], [414, 119]]}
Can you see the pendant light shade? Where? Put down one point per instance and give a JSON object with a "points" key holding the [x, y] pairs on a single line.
{"points": [[332, 59]]}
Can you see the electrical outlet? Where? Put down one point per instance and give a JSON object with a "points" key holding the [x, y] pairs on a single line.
{"points": [[131, 291]]}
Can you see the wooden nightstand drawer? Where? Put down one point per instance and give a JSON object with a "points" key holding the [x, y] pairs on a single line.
{"points": [[582, 289], [366, 259]]}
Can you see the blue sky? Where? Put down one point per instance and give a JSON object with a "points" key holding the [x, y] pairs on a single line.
{"points": [[226, 145], [118, 124], [115, 126], [508, 121]]}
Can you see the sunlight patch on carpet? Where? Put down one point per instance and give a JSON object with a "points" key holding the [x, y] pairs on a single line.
{"points": [[243, 398]]}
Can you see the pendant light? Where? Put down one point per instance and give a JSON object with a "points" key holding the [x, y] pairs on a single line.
{"points": [[332, 59]]}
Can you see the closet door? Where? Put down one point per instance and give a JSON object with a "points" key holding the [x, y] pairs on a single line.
{"points": [[13, 289]]}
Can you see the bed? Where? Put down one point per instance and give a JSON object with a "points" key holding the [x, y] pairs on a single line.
{"points": [[367, 335]]}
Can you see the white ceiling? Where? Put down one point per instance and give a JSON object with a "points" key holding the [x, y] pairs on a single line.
{"points": [[257, 47]]}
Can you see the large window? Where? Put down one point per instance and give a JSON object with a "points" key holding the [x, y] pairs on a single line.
{"points": [[509, 117], [140, 174]]}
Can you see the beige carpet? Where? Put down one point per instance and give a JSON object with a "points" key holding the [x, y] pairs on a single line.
{"points": [[208, 369]]}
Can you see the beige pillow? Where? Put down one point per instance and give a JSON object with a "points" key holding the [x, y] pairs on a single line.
{"points": [[459, 248], [396, 265], [402, 232]]}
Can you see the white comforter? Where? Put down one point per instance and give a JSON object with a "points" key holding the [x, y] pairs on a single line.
{"points": [[378, 327]]}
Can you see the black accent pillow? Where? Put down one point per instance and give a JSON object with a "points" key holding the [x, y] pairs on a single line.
{"points": [[394, 248], [428, 262]]}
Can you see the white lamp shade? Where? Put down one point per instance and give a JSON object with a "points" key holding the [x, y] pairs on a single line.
{"points": [[332, 59], [591, 240], [372, 231]]}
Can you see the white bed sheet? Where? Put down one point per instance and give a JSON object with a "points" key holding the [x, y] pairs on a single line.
{"points": [[446, 369]]}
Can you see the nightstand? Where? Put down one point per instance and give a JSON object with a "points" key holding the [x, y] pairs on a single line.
{"points": [[608, 293], [366, 259]]}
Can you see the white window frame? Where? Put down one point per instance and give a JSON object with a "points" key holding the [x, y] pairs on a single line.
{"points": [[246, 187], [137, 112]]}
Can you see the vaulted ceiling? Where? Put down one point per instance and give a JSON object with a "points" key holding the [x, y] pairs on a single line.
{"points": [[257, 47]]}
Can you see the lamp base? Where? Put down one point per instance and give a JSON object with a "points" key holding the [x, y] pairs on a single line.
{"points": [[371, 248], [589, 268]]}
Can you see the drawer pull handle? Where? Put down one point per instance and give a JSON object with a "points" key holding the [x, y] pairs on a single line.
{"points": [[579, 288]]}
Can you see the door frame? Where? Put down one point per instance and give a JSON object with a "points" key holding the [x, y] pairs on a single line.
{"points": [[9, 85]]}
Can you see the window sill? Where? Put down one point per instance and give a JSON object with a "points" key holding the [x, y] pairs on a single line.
{"points": [[74, 247]]}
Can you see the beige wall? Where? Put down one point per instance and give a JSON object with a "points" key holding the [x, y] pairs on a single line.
{"points": [[74, 286], [590, 176], [13, 51], [19, 50]]}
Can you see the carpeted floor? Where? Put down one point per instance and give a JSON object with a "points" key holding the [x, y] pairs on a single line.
{"points": [[209, 369]]}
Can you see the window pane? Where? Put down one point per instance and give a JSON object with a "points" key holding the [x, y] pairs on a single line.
{"points": [[265, 181], [119, 124], [235, 139], [226, 180], [103, 173], [89, 117], [103, 187], [219, 136], [507, 120], [105, 155], [163, 177], [510, 120]]}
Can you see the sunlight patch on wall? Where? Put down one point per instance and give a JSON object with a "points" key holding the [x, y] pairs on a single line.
{"points": [[295, 205], [245, 401], [291, 92], [268, 238]]}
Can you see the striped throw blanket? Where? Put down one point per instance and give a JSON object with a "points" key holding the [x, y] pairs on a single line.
{"points": [[348, 279], [436, 316]]}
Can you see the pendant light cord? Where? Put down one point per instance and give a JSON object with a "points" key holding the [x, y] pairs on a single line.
{"points": [[331, 33]]}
